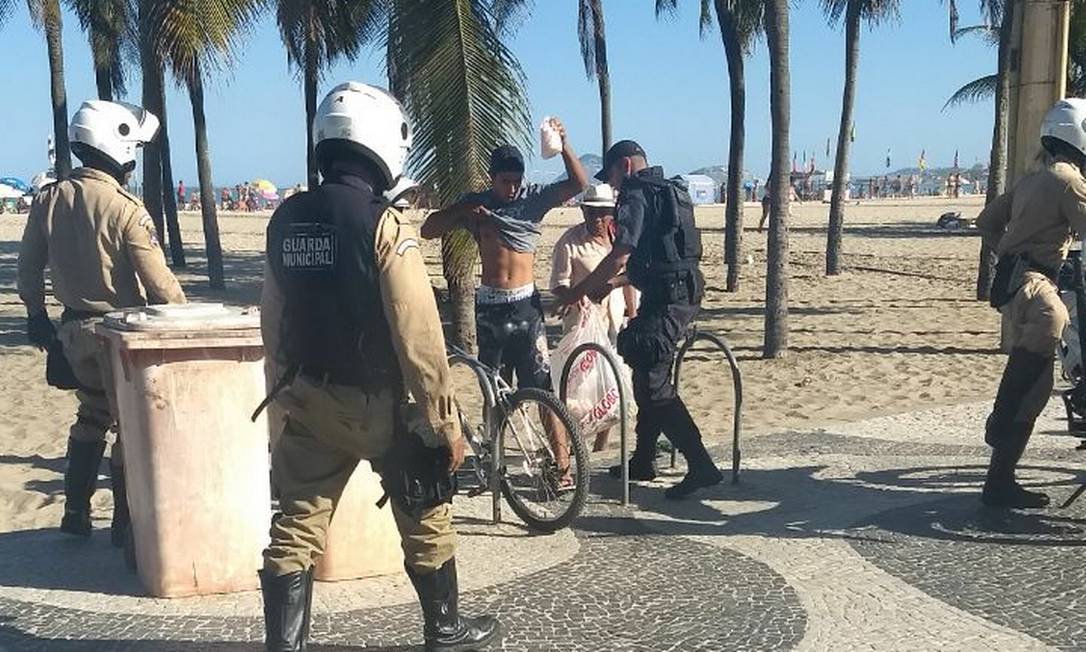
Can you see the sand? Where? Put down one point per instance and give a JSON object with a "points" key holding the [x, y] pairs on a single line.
{"points": [[898, 331]]}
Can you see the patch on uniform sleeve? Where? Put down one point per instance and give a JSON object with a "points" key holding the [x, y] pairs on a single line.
{"points": [[405, 245], [147, 223], [309, 247]]}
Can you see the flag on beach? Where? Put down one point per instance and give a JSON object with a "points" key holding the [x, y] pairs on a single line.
{"points": [[955, 159], [827, 148], [887, 158], [852, 133], [922, 162], [794, 167]]}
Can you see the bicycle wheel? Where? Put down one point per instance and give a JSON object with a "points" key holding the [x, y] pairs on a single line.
{"points": [[546, 496]]}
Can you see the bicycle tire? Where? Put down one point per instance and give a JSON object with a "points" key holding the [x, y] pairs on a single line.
{"points": [[578, 452]]}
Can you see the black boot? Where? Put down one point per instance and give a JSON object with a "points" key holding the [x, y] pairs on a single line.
{"points": [[445, 630], [287, 603], [643, 460], [118, 529], [1000, 487], [80, 479], [701, 471]]}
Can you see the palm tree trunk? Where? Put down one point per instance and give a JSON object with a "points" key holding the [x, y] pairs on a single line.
{"points": [[733, 208], [603, 75], [53, 27], [840, 166], [212, 244], [997, 163], [776, 296], [152, 151], [169, 199], [310, 82], [458, 255]]}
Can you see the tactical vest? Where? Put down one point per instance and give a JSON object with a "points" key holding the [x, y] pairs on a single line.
{"points": [[670, 245], [320, 246]]}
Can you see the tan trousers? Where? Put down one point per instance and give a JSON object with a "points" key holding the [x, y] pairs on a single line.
{"points": [[328, 429], [1033, 321], [97, 410]]}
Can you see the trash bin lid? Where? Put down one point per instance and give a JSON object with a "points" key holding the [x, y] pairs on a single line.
{"points": [[184, 317]]}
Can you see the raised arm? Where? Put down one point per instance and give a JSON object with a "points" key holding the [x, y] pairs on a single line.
{"points": [[577, 178]]}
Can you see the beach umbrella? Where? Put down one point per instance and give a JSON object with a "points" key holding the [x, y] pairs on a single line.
{"points": [[17, 184], [266, 189], [9, 192]]}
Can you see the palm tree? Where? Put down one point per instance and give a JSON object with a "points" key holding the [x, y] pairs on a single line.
{"points": [[590, 31], [110, 30], [316, 33], [45, 15], [999, 16], [157, 174], [464, 90], [854, 11], [740, 23], [193, 37], [776, 293]]}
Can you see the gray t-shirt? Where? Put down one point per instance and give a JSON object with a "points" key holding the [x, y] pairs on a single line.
{"points": [[518, 220]]}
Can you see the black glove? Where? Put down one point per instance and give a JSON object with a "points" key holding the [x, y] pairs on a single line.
{"points": [[40, 330]]}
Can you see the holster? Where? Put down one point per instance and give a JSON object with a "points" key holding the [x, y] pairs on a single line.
{"points": [[1010, 275], [415, 475], [58, 371]]}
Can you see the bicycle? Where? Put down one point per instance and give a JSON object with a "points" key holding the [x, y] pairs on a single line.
{"points": [[514, 454]]}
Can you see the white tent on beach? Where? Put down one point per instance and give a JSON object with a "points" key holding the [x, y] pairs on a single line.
{"points": [[702, 188]]}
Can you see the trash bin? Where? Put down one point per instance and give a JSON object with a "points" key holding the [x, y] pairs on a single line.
{"points": [[187, 378], [362, 540]]}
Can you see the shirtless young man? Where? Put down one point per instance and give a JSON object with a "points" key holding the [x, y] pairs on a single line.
{"points": [[505, 223]]}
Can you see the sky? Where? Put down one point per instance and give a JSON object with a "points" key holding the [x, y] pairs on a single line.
{"points": [[669, 92]]}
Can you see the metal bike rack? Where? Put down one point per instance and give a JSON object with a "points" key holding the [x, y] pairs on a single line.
{"points": [[490, 394], [623, 414], [737, 380]]}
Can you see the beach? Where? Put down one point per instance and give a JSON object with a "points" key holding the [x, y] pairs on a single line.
{"points": [[900, 330]]}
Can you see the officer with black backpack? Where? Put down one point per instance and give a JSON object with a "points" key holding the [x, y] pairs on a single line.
{"points": [[658, 244]]}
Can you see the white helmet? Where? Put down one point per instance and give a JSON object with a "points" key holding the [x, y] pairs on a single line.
{"points": [[1067, 122], [115, 129], [370, 118]]}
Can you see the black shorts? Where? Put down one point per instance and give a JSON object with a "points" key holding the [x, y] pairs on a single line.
{"points": [[513, 338]]}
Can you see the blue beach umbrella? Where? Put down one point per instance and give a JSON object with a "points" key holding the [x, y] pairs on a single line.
{"points": [[18, 184]]}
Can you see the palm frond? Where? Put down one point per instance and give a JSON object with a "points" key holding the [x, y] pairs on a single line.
{"points": [[110, 27], [872, 12], [667, 8], [6, 8], [190, 36], [985, 32], [333, 28], [705, 17], [974, 91], [463, 89], [509, 15], [586, 34]]}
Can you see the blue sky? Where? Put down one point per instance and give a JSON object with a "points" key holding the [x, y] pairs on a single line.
{"points": [[669, 90]]}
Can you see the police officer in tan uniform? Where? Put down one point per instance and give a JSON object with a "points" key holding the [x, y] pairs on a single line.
{"points": [[1031, 228], [349, 316], [99, 244]]}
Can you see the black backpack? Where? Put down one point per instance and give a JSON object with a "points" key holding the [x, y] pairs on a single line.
{"points": [[670, 245]]}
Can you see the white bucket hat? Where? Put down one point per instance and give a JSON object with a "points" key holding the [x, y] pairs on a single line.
{"points": [[601, 195]]}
